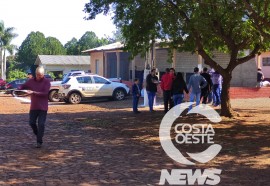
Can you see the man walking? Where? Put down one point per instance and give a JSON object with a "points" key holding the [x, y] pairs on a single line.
{"points": [[206, 90], [38, 88], [196, 82]]}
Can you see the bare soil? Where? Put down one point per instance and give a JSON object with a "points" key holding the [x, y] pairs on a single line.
{"points": [[104, 143]]}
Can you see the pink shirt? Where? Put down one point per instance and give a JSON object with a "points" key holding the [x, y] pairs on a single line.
{"points": [[39, 99]]}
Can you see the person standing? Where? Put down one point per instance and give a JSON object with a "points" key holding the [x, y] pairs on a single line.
{"points": [[260, 77], [136, 93], [166, 86], [217, 85], [151, 88], [206, 90], [178, 88], [29, 75], [38, 88], [196, 82]]}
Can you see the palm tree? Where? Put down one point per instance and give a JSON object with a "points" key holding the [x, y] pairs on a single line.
{"points": [[6, 36]]}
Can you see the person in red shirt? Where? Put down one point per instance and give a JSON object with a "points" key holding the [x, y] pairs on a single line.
{"points": [[38, 88], [166, 87]]}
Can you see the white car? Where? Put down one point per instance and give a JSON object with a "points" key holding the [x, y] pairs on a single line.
{"points": [[53, 93], [75, 88]]}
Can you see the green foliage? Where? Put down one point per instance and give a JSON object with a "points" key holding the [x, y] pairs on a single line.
{"points": [[195, 26], [87, 41], [16, 74], [51, 74], [54, 47], [36, 44], [72, 47]]}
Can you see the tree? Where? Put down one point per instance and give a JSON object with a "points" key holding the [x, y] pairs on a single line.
{"points": [[32, 46], [88, 40], [54, 47], [258, 12], [6, 36], [196, 26], [36, 44], [72, 47]]}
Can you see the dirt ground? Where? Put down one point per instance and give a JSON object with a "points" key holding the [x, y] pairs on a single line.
{"points": [[104, 143]]}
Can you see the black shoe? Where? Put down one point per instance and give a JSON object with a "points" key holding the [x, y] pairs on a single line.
{"points": [[38, 145], [137, 112]]}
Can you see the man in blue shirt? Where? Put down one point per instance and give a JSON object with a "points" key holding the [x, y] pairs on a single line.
{"points": [[196, 82]]}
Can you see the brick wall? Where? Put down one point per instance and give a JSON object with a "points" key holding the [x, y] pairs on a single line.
{"points": [[248, 92]]}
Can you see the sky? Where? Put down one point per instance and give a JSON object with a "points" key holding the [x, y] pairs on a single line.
{"points": [[62, 19]]}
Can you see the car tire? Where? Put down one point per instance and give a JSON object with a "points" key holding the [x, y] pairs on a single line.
{"points": [[53, 96], [12, 93], [119, 94], [74, 98], [66, 100]]}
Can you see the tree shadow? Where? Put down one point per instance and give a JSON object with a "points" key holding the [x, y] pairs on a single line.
{"points": [[122, 148]]}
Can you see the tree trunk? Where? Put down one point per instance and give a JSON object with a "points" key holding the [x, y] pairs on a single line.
{"points": [[4, 66], [226, 109]]}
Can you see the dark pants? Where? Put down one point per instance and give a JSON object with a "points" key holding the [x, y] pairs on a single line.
{"points": [[204, 96], [151, 97], [38, 127], [167, 98], [217, 92], [135, 101]]}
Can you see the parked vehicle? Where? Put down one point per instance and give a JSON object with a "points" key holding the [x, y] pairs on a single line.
{"points": [[119, 80], [13, 85], [75, 88], [2, 84], [53, 94], [47, 76]]}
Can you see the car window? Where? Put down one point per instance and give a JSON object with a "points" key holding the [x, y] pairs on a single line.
{"points": [[85, 79], [23, 81], [65, 80], [20, 81], [99, 80], [76, 74]]}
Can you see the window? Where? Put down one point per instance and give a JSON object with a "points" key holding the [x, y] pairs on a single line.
{"points": [[100, 80], [65, 80], [266, 61], [85, 79], [97, 66]]}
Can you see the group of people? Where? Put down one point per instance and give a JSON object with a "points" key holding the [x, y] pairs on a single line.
{"points": [[202, 87]]}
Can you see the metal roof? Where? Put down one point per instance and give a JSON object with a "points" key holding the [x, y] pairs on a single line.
{"points": [[62, 60], [113, 46]]}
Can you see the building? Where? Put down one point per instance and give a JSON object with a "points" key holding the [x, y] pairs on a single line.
{"points": [[263, 62], [62, 64], [111, 61]]}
